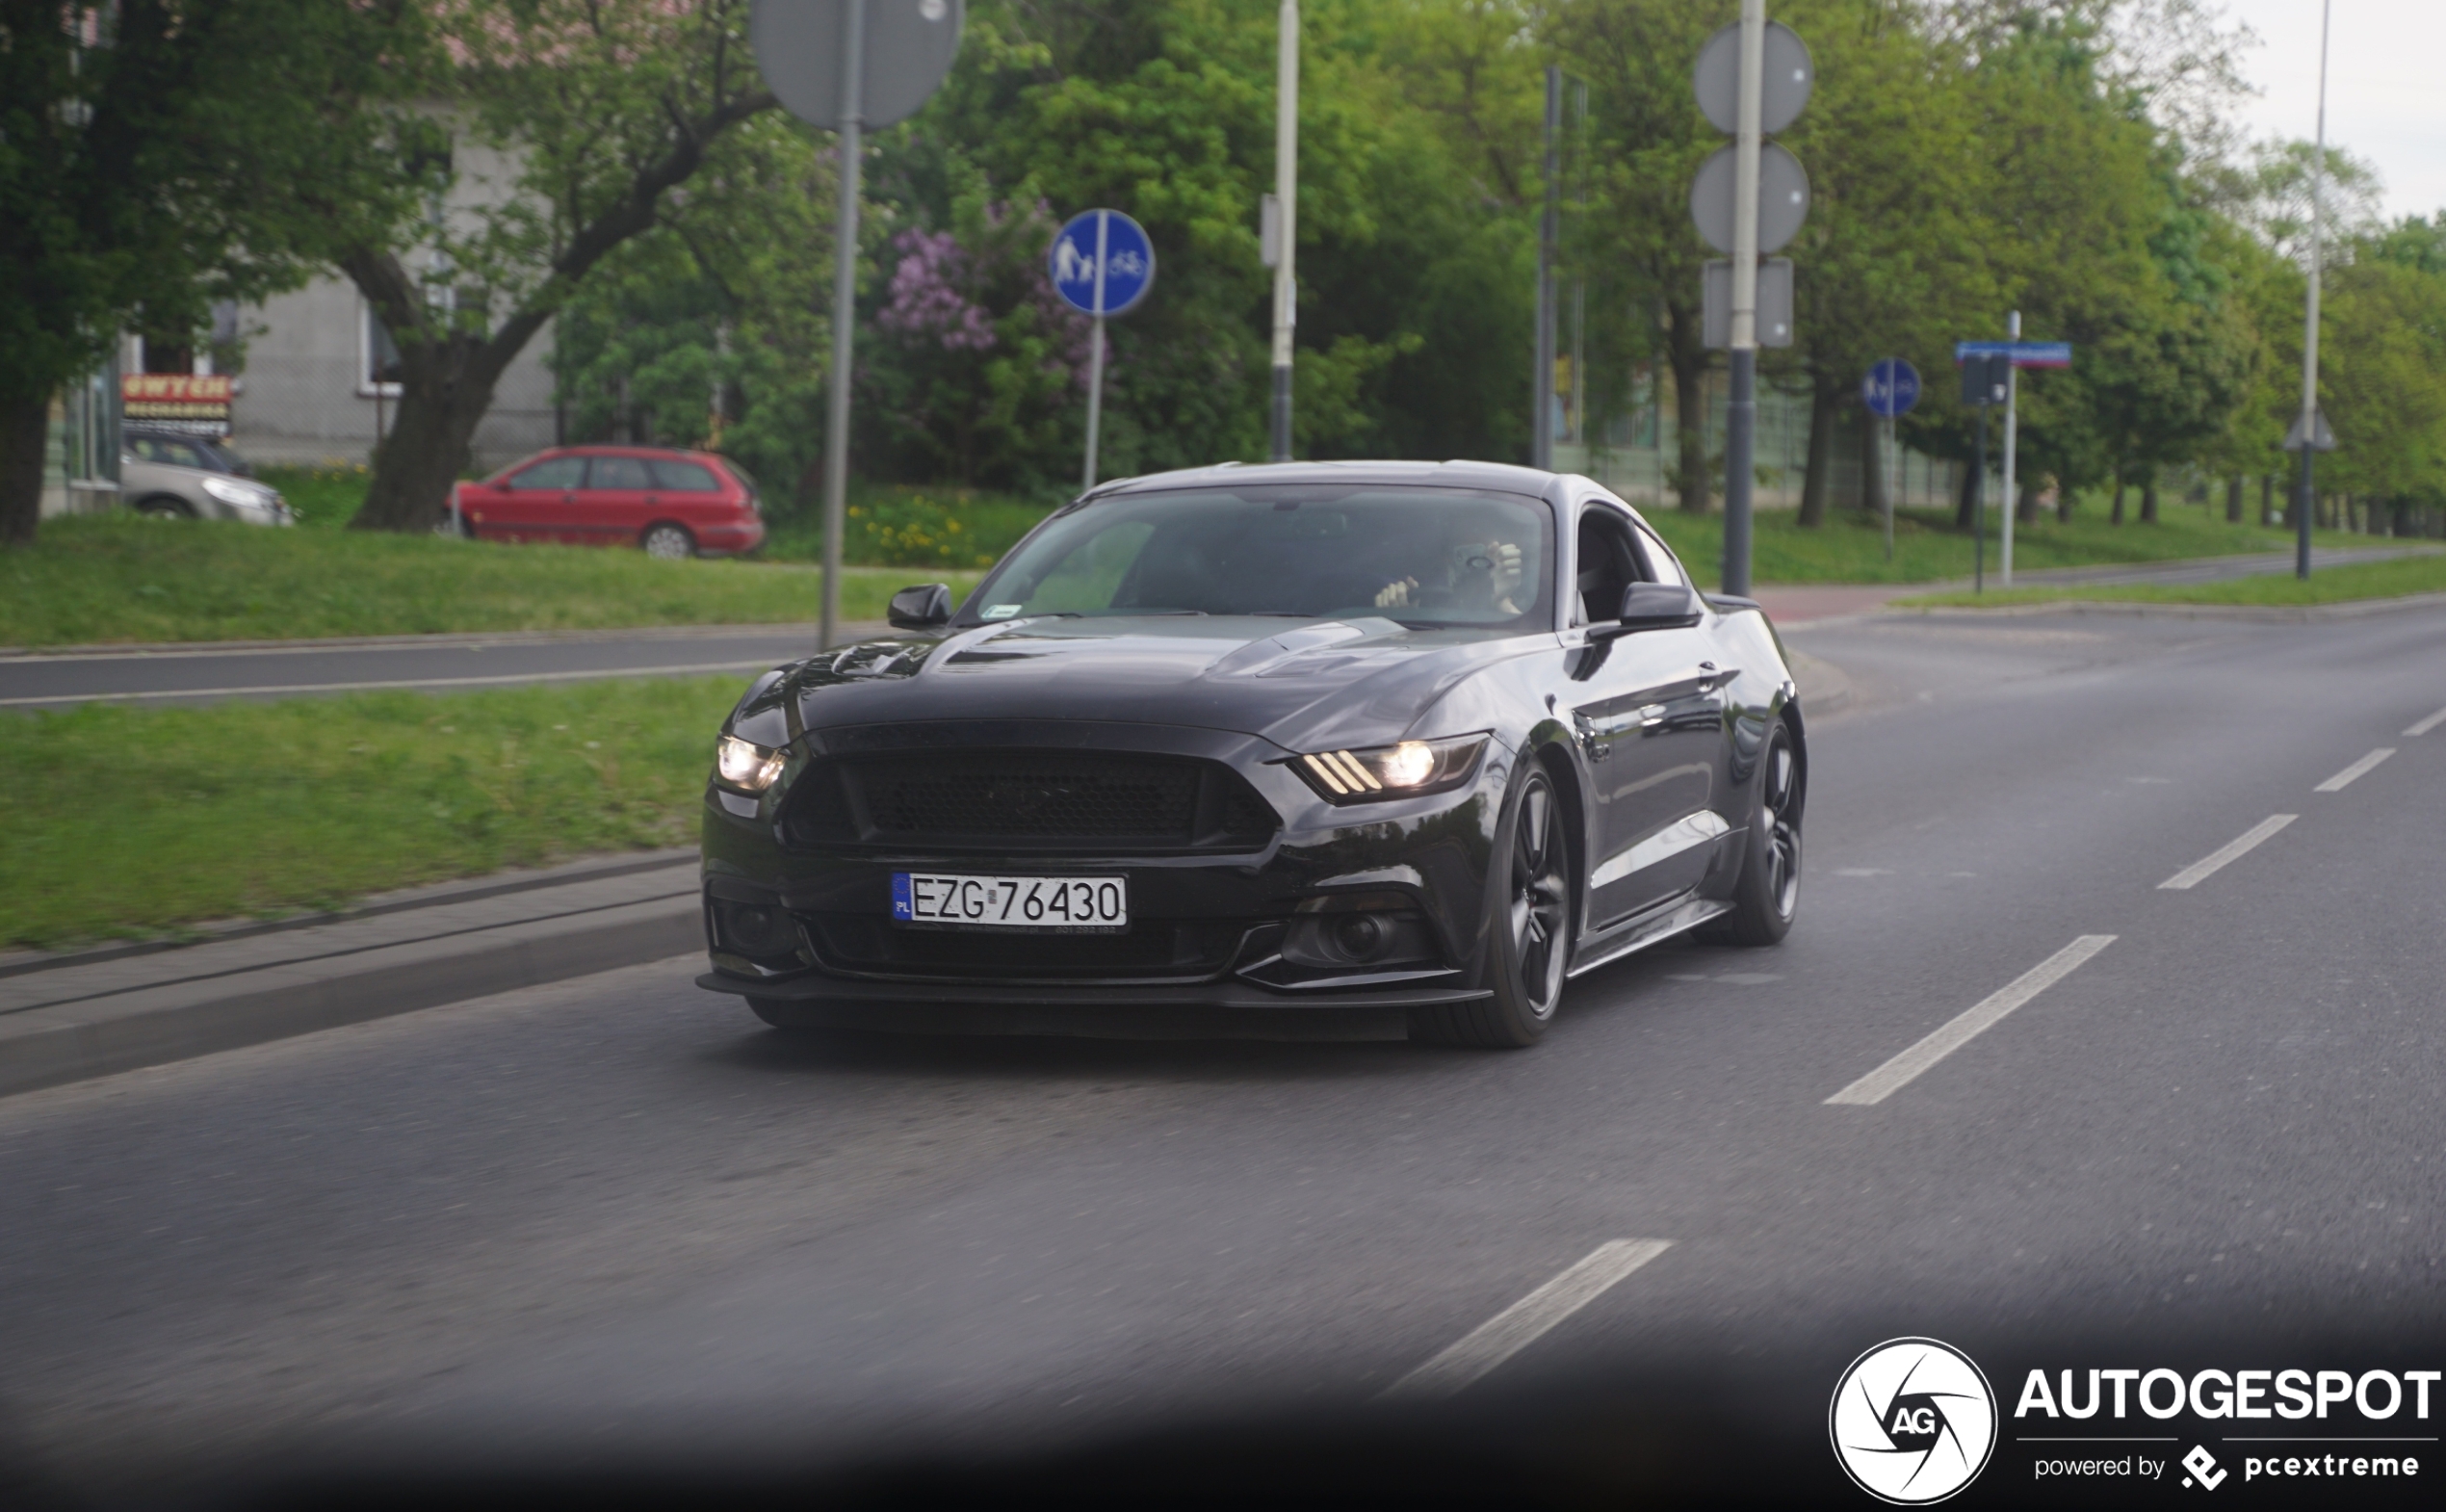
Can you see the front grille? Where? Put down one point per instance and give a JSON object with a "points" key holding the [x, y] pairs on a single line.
{"points": [[1151, 948], [1028, 801]]}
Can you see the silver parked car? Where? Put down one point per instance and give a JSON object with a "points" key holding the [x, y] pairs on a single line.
{"points": [[172, 475]]}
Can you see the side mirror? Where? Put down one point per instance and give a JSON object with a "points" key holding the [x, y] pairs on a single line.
{"points": [[1653, 606], [503, 486], [921, 608]]}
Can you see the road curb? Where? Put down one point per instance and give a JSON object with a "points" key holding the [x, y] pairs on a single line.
{"points": [[155, 1026]]}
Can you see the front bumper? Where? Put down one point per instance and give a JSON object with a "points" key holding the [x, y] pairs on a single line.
{"points": [[1209, 931]]}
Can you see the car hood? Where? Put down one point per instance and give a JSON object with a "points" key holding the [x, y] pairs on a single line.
{"points": [[1300, 683]]}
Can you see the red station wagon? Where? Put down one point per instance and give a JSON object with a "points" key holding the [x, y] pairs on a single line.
{"points": [[671, 503]]}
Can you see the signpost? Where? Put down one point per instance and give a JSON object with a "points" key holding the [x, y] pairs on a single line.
{"points": [[1102, 264], [849, 64], [2020, 355], [1286, 218], [1750, 197], [1891, 390], [1985, 378]]}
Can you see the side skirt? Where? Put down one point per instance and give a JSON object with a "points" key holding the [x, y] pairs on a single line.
{"points": [[1631, 938]]}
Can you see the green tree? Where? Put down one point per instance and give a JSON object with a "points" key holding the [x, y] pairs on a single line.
{"points": [[574, 122], [147, 171]]}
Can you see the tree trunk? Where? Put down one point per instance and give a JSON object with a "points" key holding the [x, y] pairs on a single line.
{"points": [[2233, 499], [448, 372], [1688, 358], [2117, 518], [2266, 498], [2063, 502], [1872, 462], [1965, 501], [1825, 408], [2025, 508], [25, 427], [2148, 497]]}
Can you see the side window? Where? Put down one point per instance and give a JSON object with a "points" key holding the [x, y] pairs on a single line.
{"points": [[673, 476], [620, 472], [558, 473], [1609, 565], [1662, 566]]}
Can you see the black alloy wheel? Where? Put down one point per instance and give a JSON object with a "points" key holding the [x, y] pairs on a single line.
{"points": [[1528, 927], [1768, 895]]}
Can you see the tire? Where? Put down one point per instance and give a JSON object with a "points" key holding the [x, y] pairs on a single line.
{"points": [[667, 542], [1530, 906], [163, 508], [1768, 894]]}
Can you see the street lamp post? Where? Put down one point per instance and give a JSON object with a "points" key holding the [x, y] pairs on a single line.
{"points": [[2309, 425], [1287, 217]]}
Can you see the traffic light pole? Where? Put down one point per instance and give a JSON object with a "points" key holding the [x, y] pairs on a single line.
{"points": [[1741, 413]]}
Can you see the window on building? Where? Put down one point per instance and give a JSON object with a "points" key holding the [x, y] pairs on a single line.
{"points": [[377, 356]]}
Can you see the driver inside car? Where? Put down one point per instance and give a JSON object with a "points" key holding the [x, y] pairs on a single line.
{"points": [[1481, 573]]}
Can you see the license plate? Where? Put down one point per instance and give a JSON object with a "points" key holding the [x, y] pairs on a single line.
{"points": [[1061, 904]]}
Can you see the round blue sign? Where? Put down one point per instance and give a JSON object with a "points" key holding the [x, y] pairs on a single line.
{"points": [[1890, 389], [1102, 263]]}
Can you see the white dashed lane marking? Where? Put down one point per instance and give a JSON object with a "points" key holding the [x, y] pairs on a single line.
{"points": [[2428, 724], [2344, 779], [1895, 1074], [1525, 1321], [2200, 871]]}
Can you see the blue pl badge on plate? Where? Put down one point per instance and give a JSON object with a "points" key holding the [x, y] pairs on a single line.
{"points": [[901, 908]]}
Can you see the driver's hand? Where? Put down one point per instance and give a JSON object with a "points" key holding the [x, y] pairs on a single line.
{"points": [[1507, 568], [1396, 595]]}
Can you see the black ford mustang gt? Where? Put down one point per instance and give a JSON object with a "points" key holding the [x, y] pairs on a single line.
{"points": [[1424, 740]]}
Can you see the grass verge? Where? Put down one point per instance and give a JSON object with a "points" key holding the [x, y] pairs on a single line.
{"points": [[2366, 580], [115, 578], [1850, 547], [126, 822]]}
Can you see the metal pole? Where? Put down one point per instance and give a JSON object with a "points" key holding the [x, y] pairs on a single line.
{"points": [[845, 313], [1286, 194], [2011, 499], [1741, 412], [1890, 482], [1096, 353], [1542, 364], [1979, 504], [2310, 319]]}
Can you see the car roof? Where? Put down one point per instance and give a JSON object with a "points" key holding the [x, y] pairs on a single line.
{"points": [[1456, 474]]}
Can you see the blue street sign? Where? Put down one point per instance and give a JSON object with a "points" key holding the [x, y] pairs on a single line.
{"points": [[1102, 263], [1890, 389], [2024, 353]]}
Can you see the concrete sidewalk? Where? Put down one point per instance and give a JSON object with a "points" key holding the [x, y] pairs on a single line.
{"points": [[64, 1017], [1801, 603]]}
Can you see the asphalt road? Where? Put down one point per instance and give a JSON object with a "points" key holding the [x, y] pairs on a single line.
{"points": [[617, 1212], [437, 663]]}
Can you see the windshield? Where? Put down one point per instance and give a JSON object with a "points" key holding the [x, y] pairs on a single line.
{"points": [[1425, 557]]}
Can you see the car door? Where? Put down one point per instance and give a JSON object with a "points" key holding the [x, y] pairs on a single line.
{"points": [[527, 505], [619, 494], [1650, 720]]}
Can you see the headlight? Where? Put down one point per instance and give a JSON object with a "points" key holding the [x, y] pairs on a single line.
{"points": [[745, 764], [1393, 771], [228, 492]]}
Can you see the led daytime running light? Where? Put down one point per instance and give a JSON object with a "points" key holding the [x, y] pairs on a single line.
{"points": [[1391, 771]]}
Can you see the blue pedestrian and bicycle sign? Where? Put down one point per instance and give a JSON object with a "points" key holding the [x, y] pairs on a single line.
{"points": [[1890, 389], [1102, 263]]}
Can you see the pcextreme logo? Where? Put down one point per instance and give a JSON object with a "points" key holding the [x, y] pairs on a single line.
{"points": [[1913, 1421]]}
